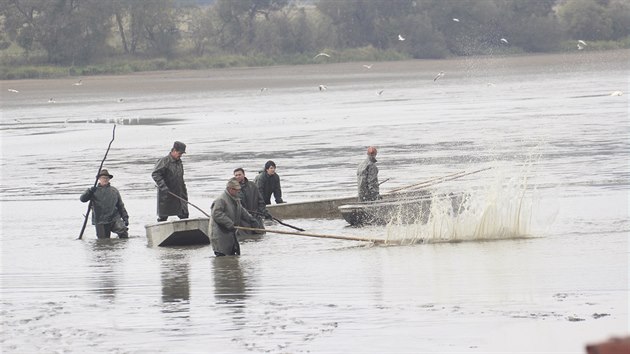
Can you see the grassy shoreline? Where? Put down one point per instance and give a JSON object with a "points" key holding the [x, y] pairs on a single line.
{"points": [[122, 66]]}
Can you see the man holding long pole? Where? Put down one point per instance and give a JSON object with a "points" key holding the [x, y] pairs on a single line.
{"points": [[109, 213]]}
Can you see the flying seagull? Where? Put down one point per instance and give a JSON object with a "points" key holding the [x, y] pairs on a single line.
{"points": [[78, 83], [456, 19], [380, 92], [323, 88], [322, 54], [13, 90], [51, 100], [401, 38], [439, 75], [367, 66], [616, 93], [504, 41], [581, 44]]}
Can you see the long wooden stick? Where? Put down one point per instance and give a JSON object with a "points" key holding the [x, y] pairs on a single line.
{"points": [[448, 179], [87, 213], [349, 238], [436, 180], [338, 237], [423, 182], [277, 220], [193, 205]]}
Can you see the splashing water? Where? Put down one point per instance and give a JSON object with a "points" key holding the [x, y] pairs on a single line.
{"points": [[500, 210]]}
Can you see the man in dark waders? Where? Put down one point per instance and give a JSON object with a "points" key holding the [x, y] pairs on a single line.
{"points": [[227, 213], [168, 174], [367, 177], [109, 213]]}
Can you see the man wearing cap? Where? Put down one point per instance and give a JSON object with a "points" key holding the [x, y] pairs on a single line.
{"points": [[252, 201], [109, 213], [367, 177], [227, 213], [168, 174]]}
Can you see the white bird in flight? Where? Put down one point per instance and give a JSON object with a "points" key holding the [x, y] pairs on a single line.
{"points": [[13, 90], [367, 66], [52, 100], [380, 92], [322, 54], [456, 19], [78, 83], [504, 40], [616, 93], [323, 87], [401, 38], [581, 44], [439, 75]]}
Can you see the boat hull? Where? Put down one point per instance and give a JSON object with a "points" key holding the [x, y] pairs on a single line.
{"points": [[383, 212], [185, 232], [316, 209], [326, 208], [399, 211]]}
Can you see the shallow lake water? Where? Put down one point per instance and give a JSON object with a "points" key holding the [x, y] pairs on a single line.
{"points": [[538, 262]]}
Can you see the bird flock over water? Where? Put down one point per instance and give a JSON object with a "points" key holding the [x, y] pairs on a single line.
{"points": [[581, 45], [52, 99]]}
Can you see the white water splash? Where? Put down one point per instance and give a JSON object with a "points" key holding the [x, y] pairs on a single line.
{"points": [[500, 210]]}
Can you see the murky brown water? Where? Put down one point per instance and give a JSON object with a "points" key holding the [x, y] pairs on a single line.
{"points": [[556, 199]]}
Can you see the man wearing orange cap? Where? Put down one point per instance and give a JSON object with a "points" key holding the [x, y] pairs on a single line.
{"points": [[367, 177]]}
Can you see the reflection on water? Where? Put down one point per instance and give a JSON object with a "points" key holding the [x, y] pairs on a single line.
{"points": [[230, 288], [107, 256], [174, 272], [230, 284]]}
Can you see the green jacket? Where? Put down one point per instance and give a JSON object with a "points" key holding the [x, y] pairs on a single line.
{"points": [[107, 205], [367, 180], [227, 212]]}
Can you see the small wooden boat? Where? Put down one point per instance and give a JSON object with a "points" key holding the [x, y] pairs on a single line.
{"points": [[406, 210], [329, 208], [315, 209], [183, 232]]}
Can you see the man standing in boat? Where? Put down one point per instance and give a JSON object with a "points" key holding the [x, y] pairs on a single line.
{"points": [[109, 213], [268, 183], [168, 174], [227, 213], [252, 201], [367, 177]]}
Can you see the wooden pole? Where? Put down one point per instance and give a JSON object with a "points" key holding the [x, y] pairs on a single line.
{"points": [[437, 180], [87, 213], [193, 205], [338, 237]]}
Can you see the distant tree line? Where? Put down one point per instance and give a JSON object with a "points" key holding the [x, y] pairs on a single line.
{"points": [[79, 32]]}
